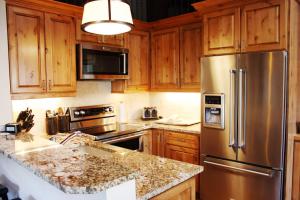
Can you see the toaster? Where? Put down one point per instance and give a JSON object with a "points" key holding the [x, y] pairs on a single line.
{"points": [[150, 113]]}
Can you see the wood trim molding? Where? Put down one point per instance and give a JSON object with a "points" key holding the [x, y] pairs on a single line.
{"points": [[214, 5], [50, 6], [179, 20]]}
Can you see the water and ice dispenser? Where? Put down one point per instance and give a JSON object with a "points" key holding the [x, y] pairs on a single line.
{"points": [[214, 111]]}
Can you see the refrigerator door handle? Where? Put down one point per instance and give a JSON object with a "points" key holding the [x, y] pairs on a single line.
{"points": [[242, 109], [266, 174], [232, 113]]}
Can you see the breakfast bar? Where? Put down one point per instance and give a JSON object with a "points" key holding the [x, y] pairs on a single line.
{"points": [[86, 169]]}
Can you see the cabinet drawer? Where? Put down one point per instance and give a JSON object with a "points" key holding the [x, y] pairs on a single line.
{"points": [[181, 139]]}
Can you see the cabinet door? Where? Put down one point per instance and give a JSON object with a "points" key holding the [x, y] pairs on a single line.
{"points": [[26, 50], [182, 154], [60, 53], [147, 142], [158, 142], [296, 172], [190, 54], [264, 26], [222, 32], [138, 60], [83, 36], [138, 45], [165, 59]]}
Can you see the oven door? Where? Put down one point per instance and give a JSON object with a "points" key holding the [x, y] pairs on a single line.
{"points": [[132, 141], [96, 62]]}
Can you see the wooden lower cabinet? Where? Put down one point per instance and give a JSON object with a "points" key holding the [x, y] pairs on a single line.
{"points": [[158, 142], [183, 147], [183, 191], [147, 142], [296, 171]]}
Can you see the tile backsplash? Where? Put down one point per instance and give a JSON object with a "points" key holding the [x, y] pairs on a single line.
{"points": [[88, 93], [186, 105]]}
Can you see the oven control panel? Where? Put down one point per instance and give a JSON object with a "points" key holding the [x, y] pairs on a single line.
{"points": [[91, 112]]}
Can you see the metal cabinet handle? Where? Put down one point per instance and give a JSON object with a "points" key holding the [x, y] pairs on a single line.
{"points": [[44, 85], [242, 108], [50, 85], [270, 174], [232, 115]]}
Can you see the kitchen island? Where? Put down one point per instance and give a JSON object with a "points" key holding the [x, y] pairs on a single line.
{"points": [[84, 168]]}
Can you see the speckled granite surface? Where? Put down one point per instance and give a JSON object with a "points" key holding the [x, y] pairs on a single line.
{"points": [[68, 168], [193, 129], [74, 170]]}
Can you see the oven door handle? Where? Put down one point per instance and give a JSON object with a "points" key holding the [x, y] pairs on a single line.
{"points": [[122, 139]]}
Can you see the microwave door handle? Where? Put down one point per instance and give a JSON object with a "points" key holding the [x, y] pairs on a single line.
{"points": [[242, 109], [232, 127]]}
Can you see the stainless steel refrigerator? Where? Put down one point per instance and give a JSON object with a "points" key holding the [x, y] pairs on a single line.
{"points": [[243, 126]]}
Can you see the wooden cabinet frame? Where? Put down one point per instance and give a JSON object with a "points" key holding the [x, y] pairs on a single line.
{"points": [[228, 22], [273, 10]]}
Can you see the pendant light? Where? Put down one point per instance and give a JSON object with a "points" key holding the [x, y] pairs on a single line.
{"points": [[107, 17]]}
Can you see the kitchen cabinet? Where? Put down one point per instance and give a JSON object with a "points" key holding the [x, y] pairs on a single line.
{"points": [[26, 50], [263, 26], [139, 60], [190, 56], [296, 171], [158, 142], [222, 32], [109, 40], [147, 142], [176, 58], [60, 53], [183, 191], [42, 63], [183, 147], [165, 59], [251, 27]]}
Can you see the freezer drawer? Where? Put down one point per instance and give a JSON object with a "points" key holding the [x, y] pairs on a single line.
{"points": [[226, 180]]}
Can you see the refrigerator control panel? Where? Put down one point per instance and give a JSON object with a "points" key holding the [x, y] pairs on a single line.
{"points": [[214, 111]]}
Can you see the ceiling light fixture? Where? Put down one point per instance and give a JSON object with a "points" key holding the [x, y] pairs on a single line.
{"points": [[107, 17]]}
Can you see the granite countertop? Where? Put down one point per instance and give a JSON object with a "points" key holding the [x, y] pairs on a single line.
{"points": [[193, 129], [77, 172]]}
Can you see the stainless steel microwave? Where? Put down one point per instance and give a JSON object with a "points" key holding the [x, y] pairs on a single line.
{"points": [[95, 62]]}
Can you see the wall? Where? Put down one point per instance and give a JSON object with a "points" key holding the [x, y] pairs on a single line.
{"points": [[185, 105], [5, 102], [88, 93]]}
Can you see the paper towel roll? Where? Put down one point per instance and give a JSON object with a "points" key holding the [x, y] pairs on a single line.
{"points": [[122, 113]]}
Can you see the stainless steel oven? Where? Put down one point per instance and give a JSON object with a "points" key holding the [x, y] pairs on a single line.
{"points": [[95, 62], [132, 141]]}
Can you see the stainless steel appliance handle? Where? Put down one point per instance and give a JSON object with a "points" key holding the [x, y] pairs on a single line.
{"points": [[122, 139], [242, 109], [270, 175], [232, 129], [141, 144]]}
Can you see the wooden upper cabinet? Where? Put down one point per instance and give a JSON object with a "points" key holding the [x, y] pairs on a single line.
{"points": [[138, 60], [264, 26], [26, 50], [165, 59], [60, 53], [222, 32], [138, 63], [190, 54]]}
